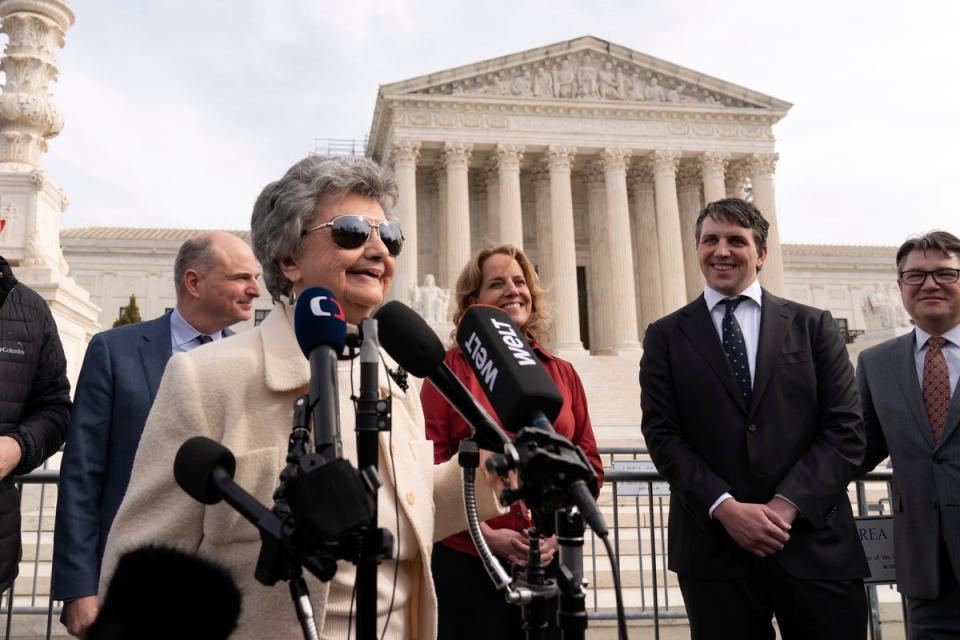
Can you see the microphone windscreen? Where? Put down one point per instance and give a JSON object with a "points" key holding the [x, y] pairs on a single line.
{"points": [[160, 592], [194, 464], [409, 339], [510, 373], [319, 320]]}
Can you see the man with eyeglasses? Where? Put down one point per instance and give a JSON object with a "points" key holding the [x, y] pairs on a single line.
{"points": [[215, 277], [911, 409]]}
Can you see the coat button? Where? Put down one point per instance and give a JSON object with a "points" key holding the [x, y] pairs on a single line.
{"points": [[411, 498], [752, 427], [937, 459]]}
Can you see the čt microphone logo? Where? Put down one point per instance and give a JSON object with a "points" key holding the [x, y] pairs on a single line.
{"points": [[319, 311]]}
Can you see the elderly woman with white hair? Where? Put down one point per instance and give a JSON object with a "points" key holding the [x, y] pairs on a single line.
{"points": [[323, 224]]}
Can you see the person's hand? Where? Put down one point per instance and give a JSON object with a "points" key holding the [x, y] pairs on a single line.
{"points": [[79, 615], [10, 455], [506, 543], [493, 480], [784, 509], [755, 527], [548, 547]]}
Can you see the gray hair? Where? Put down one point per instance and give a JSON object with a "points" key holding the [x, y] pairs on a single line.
{"points": [[942, 241], [285, 207], [196, 253]]}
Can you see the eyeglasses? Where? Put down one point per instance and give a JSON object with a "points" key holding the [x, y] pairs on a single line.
{"points": [[940, 276], [353, 230]]}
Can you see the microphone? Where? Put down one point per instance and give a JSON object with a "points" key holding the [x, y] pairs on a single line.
{"points": [[554, 471], [509, 372], [412, 343], [204, 469], [199, 598], [321, 330]]}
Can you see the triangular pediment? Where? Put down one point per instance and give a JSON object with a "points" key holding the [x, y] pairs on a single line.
{"points": [[586, 69]]}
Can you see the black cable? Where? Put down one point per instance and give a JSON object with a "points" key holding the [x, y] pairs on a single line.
{"points": [[621, 617]]}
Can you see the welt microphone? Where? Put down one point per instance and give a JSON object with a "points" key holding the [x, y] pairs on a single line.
{"points": [[524, 396], [516, 384], [321, 329], [412, 343]]}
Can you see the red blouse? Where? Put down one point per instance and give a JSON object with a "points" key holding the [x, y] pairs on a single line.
{"points": [[446, 428]]}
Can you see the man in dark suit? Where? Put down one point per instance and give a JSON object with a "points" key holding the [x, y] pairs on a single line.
{"points": [[215, 275], [751, 412], [911, 409]]}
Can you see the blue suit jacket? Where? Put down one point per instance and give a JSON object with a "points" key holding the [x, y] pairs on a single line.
{"points": [[118, 381]]}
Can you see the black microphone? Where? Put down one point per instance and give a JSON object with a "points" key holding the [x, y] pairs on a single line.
{"points": [[412, 343], [525, 397], [510, 373], [321, 329], [204, 468], [160, 593]]}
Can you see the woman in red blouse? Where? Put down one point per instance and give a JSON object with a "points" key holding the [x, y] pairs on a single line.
{"points": [[469, 606]]}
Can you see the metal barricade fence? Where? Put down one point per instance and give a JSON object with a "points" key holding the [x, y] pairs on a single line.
{"points": [[637, 520]]}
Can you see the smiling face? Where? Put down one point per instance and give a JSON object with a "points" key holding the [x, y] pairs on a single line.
{"points": [[224, 294], [505, 286], [728, 256], [359, 278], [934, 307]]}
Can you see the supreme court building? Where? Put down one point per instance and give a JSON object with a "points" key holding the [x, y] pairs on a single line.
{"points": [[595, 158]]}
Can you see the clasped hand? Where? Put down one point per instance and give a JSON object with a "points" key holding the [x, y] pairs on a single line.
{"points": [[761, 529]]}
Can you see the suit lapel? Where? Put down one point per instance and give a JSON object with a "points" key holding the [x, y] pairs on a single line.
{"points": [[155, 350], [903, 363], [699, 329], [776, 316]]}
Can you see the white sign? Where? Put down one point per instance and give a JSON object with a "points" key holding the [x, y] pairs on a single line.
{"points": [[661, 488], [876, 536]]}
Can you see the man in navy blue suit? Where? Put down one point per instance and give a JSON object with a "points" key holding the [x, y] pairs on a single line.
{"points": [[215, 275]]}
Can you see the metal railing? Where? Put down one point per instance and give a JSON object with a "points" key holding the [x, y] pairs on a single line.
{"points": [[638, 525], [340, 146]]}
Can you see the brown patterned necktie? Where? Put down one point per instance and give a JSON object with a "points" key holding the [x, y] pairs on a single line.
{"points": [[936, 385]]}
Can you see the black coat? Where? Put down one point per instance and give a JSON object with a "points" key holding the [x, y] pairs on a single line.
{"points": [[34, 399], [802, 437]]}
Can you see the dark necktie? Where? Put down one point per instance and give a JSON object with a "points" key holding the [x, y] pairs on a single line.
{"points": [[735, 347], [202, 339], [936, 385]]}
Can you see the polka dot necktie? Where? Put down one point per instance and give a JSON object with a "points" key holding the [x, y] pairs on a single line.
{"points": [[735, 347], [936, 385]]}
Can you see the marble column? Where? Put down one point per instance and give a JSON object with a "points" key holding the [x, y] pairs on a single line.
{"points": [[32, 202], [492, 180], [404, 155], [509, 157], [440, 181], [456, 160], [619, 249], [541, 191], [736, 180], [563, 255], [762, 167], [688, 195], [713, 165], [672, 283], [600, 286], [647, 245]]}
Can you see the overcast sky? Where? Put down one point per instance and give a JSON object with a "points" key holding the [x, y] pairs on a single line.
{"points": [[178, 112]]}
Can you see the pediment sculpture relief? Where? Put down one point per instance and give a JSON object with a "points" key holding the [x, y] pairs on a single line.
{"points": [[585, 77]]}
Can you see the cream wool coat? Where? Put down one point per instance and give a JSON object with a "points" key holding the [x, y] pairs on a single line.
{"points": [[240, 392]]}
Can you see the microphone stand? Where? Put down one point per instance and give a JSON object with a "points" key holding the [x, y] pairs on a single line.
{"points": [[532, 591], [373, 416]]}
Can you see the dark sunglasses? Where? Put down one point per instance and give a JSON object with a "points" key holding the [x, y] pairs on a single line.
{"points": [[352, 231]]}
